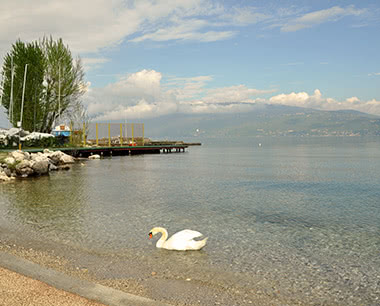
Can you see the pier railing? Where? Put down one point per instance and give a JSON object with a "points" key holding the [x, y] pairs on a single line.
{"points": [[107, 134]]}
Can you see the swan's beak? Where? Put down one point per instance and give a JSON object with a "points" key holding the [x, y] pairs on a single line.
{"points": [[150, 235]]}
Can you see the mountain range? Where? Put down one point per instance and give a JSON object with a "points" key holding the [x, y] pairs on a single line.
{"points": [[265, 120]]}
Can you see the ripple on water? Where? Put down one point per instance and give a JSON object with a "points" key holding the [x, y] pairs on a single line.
{"points": [[302, 221]]}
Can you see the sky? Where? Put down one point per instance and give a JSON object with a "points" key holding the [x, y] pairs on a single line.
{"points": [[149, 58]]}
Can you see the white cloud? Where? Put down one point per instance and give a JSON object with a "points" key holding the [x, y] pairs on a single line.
{"points": [[315, 18], [128, 91], [316, 101], [302, 99], [90, 25], [239, 93], [93, 63], [243, 16], [199, 107], [181, 33], [142, 94], [136, 95]]}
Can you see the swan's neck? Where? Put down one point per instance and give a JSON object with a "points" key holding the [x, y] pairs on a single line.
{"points": [[163, 238]]}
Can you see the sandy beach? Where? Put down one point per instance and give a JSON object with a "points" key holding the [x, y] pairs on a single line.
{"points": [[17, 289], [154, 288]]}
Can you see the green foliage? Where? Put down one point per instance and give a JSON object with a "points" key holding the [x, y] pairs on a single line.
{"points": [[21, 55], [64, 82], [54, 83]]}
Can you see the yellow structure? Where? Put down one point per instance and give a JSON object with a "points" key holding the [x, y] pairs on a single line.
{"points": [[108, 134]]}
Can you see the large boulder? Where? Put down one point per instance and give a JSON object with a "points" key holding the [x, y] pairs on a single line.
{"points": [[7, 171], [10, 160], [20, 155], [24, 168], [40, 164], [67, 159], [4, 177], [60, 158]]}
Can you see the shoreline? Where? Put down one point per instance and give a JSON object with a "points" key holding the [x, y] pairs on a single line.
{"points": [[141, 280], [18, 289], [38, 285]]}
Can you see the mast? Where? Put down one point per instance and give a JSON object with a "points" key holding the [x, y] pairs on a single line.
{"points": [[2, 88], [11, 98], [23, 94]]}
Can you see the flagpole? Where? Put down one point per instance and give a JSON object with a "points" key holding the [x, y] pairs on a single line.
{"points": [[23, 94]]}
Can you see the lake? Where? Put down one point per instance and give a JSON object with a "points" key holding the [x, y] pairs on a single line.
{"points": [[289, 220]]}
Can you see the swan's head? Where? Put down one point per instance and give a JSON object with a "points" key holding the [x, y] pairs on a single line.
{"points": [[155, 231], [152, 232]]}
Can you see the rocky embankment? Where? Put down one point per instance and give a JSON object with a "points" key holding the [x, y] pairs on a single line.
{"points": [[24, 164]]}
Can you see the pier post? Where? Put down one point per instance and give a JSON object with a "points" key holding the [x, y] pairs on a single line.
{"points": [[143, 134], [121, 134], [109, 134], [84, 134], [97, 133], [133, 140]]}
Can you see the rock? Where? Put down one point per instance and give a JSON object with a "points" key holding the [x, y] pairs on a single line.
{"points": [[64, 167], [24, 168], [95, 156], [41, 166], [23, 164], [25, 172], [19, 155], [54, 157], [8, 172], [60, 158], [10, 160], [67, 159], [4, 177], [38, 156], [52, 167]]}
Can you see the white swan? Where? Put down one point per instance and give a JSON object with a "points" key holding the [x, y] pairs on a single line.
{"points": [[181, 241]]}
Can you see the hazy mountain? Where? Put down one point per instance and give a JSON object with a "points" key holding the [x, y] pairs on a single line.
{"points": [[265, 120]]}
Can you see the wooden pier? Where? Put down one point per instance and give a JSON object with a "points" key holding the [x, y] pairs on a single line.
{"points": [[116, 150]]}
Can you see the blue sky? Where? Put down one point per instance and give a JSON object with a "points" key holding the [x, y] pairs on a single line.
{"points": [[150, 58]]}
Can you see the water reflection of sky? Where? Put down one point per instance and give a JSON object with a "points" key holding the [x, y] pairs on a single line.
{"points": [[264, 208]]}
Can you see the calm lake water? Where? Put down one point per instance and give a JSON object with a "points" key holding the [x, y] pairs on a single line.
{"points": [[294, 216]]}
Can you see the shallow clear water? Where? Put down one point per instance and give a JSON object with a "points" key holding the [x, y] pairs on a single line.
{"points": [[302, 214]]}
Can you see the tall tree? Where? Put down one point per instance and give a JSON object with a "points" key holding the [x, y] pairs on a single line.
{"points": [[63, 80], [21, 55], [54, 83]]}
